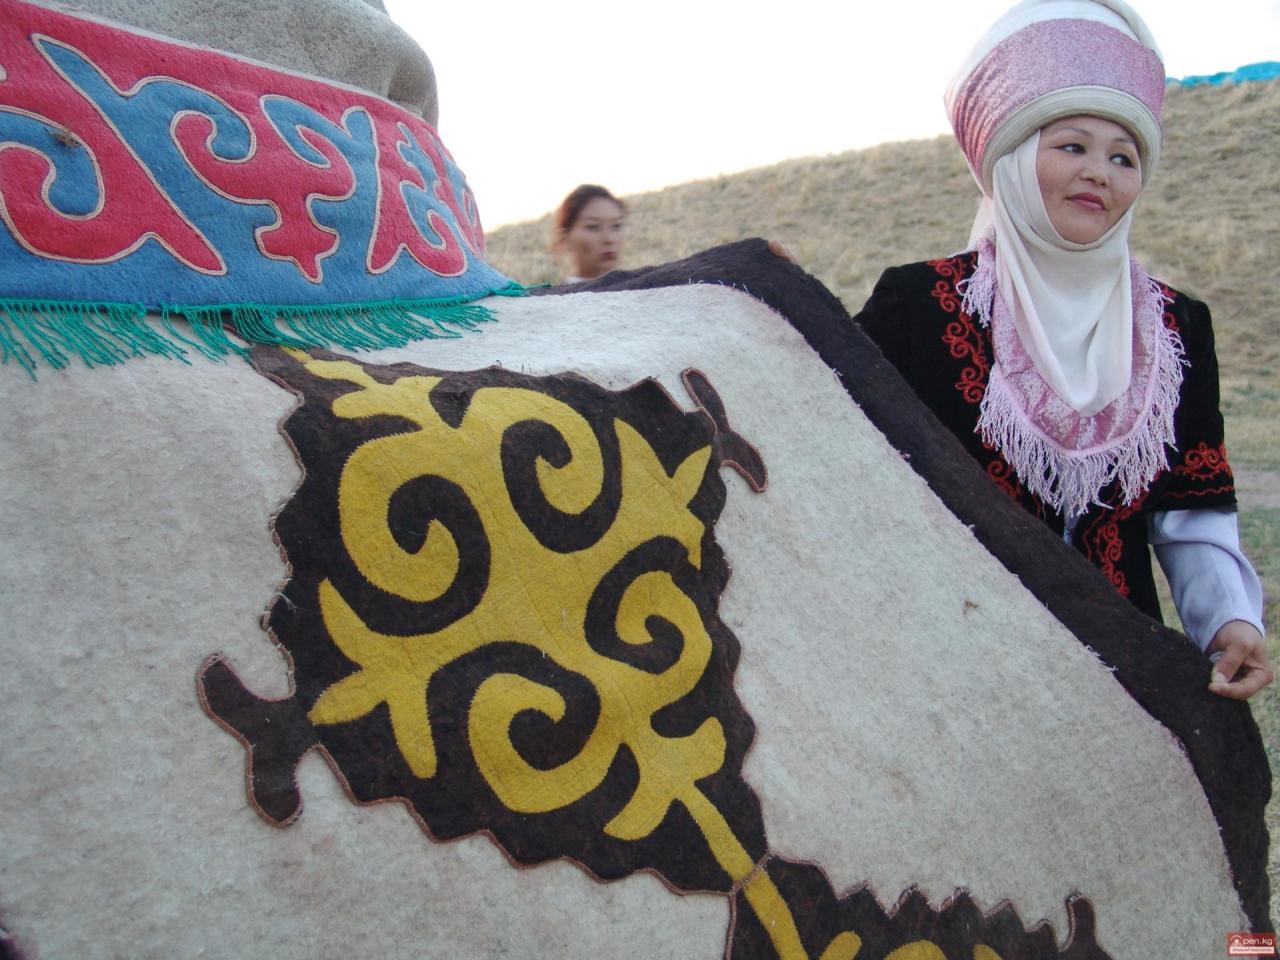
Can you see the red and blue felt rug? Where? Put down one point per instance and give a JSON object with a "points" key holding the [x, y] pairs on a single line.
{"points": [[139, 174]]}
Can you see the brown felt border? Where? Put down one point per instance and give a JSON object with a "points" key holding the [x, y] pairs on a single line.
{"points": [[955, 928], [1161, 669]]}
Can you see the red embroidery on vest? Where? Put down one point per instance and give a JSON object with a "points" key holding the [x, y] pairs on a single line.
{"points": [[962, 336], [1170, 320], [1104, 545], [965, 340], [1002, 476], [1208, 492], [1204, 462], [946, 296]]}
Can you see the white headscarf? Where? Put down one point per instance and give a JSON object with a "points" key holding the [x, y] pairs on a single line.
{"points": [[1071, 303]]}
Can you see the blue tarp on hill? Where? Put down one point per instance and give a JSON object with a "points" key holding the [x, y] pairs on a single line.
{"points": [[1267, 70]]}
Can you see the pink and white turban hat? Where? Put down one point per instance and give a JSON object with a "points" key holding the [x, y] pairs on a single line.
{"points": [[1048, 59]]}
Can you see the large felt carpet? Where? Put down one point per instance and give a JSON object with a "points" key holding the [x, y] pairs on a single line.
{"points": [[664, 584]]}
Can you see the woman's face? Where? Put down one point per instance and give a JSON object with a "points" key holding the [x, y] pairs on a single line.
{"points": [[594, 242], [1089, 175]]}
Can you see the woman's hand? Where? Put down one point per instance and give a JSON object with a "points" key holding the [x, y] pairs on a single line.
{"points": [[778, 250], [1244, 667]]}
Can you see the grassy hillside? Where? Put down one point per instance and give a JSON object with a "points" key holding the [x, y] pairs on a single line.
{"points": [[1209, 224]]}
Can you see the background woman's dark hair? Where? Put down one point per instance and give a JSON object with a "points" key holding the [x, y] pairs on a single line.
{"points": [[571, 207]]}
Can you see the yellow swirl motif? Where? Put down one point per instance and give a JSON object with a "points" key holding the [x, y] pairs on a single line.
{"points": [[397, 670], [546, 611]]}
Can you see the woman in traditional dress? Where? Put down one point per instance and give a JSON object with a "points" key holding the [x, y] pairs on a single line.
{"points": [[1086, 389], [588, 232]]}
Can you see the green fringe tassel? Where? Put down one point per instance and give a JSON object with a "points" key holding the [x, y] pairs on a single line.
{"points": [[106, 334]]}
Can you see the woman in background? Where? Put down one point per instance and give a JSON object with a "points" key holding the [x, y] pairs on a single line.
{"points": [[1087, 390], [588, 232]]}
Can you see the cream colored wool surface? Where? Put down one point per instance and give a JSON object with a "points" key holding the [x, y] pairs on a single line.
{"points": [[921, 720]]}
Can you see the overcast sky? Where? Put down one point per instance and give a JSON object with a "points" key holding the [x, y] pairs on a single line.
{"points": [[538, 97]]}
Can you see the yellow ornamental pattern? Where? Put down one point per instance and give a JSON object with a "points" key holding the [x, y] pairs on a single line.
{"points": [[546, 611], [539, 597]]}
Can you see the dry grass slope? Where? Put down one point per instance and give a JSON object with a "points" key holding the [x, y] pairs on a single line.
{"points": [[1209, 224]]}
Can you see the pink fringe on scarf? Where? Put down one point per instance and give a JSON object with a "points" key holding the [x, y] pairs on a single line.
{"points": [[1062, 457]]}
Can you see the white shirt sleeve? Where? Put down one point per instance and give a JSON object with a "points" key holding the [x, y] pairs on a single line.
{"points": [[1212, 581]]}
